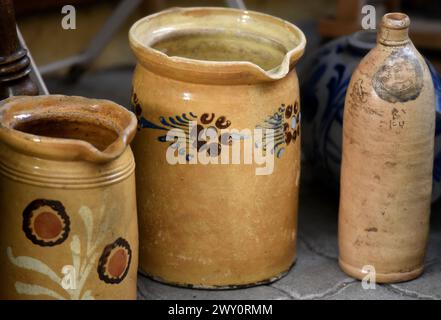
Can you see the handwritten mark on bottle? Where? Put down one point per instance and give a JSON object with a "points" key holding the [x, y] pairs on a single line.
{"points": [[399, 79]]}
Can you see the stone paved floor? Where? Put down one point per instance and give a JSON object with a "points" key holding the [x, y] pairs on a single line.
{"points": [[316, 274]]}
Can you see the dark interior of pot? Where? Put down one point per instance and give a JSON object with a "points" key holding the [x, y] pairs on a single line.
{"points": [[97, 134], [222, 46]]}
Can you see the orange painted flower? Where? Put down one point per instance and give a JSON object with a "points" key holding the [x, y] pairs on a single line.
{"points": [[46, 223], [114, 262]]}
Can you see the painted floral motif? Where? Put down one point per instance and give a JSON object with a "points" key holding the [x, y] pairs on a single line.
{"points": [[46, 223], [208, 123], [212, 125], [285, 122], [286, 125], [84, 258], [114, 262]]}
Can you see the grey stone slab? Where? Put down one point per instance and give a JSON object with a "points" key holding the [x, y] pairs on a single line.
{"points": [[428, 286], [152, 290], [313, 276], [318, 220], [355, 291]]}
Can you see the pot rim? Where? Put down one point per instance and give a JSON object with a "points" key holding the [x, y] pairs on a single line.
{"points": [[214, 72], [13, 109]]}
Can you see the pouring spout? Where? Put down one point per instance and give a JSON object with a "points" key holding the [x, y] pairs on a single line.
{"points": [[217, 45], [289, 61], [66, 128]]}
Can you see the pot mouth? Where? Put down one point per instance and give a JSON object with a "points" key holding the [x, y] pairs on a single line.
{"points": [[68, 128], [396, 20], [217, 45]]}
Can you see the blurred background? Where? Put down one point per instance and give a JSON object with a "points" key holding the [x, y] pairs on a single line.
{"points": [[321, 20]]}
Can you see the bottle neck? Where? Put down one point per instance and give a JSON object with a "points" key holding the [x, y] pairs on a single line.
{"points": [[394, 30]]}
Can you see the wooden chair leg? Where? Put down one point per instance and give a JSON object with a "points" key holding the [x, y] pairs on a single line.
{"points": [[14, 61]]}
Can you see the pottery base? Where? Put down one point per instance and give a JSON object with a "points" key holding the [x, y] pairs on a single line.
{"points": [[220, 287], [357, 273]]}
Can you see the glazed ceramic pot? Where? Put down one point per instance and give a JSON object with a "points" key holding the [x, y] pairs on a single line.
{"points": [[68, 227], [216, 225], [388, 140], [325, 78]]}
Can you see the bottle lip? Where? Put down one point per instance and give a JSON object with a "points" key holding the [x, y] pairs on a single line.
{"points": [[394, 30], [396, 21]]}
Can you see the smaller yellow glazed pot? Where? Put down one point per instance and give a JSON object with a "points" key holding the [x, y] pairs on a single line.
{"points": [[68, 226]]}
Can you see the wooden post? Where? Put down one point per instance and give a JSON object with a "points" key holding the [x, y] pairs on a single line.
{"points": [[14, 62]]}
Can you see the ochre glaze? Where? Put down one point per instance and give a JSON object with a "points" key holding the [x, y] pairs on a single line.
{"points": [[68, 226]]}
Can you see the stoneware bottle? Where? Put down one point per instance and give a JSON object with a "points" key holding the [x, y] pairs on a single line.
{"points": [[216, 225], [325, 80], [68, 224], [388, 140]]}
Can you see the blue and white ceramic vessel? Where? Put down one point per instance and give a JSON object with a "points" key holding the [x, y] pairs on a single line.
{"points": [[325, 79]]}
